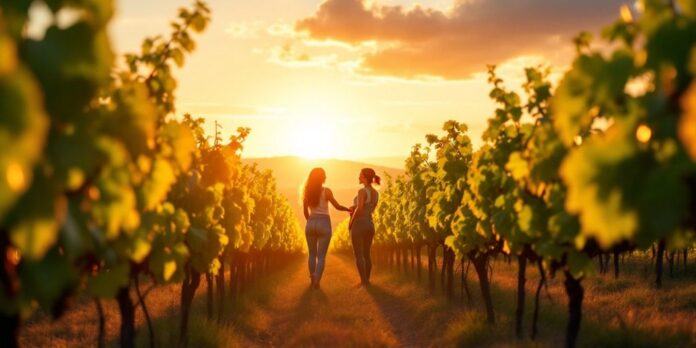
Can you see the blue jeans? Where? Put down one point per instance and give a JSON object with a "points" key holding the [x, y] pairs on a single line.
{"points": [[318, 233]]}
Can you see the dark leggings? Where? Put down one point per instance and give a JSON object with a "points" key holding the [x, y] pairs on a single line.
{"points": [[361, 235]]}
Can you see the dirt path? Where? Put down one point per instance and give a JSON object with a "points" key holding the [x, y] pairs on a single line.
{"points": [[280, 310], [339, 313]]}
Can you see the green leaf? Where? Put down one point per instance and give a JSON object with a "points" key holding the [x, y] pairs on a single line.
{"points": [[108, 281], [49, 279], [517, 166], [23, 127], [35, 220], [579, 264], [178, 57], [140, 249], [157, 184]]}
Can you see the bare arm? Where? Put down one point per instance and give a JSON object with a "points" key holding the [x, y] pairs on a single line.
{"points": [[358, 208], [305, 210], [330, 197]]}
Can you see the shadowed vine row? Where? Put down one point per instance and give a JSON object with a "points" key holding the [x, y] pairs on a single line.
{"points": [[596, 166], [103, 187]]}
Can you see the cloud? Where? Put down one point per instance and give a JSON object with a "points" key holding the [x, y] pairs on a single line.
{"points": [[259, 30], [292, 56], [244, 30], [420, 41], [283, 30]]}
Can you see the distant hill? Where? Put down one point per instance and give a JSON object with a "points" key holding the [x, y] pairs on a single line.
{"points": [[341, 176], [388, 161]]}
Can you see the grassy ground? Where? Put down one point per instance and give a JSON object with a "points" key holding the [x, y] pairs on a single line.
{"points": [[617, 312], [398, 311]]}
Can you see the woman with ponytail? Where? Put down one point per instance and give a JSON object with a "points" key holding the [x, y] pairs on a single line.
{"points": [[361, 226], [315, 205]]}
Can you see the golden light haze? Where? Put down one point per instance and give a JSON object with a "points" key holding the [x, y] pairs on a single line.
{"points": [[355, 79]]}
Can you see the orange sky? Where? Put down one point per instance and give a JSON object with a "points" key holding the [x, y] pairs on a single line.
{"points": [[354, 79]]}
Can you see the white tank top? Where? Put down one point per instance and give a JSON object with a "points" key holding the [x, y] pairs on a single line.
{"points": [[370, 204], [323, 207]]}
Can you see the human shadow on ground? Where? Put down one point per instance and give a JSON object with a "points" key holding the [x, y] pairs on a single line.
{"points": [[400, 313], [552, 321]]}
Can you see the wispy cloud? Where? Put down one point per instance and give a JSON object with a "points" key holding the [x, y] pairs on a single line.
{"points": [[245, 30], [290, 55], [258, 29], [282, 30]]}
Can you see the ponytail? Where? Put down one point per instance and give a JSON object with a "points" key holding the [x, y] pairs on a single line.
{"points": [[371, 176]]}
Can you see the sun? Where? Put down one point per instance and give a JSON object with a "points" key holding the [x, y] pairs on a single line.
{"points": [[313, 139]]}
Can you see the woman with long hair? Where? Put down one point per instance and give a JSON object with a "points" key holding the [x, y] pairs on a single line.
{"points": [[315, 205], [361, 226]]}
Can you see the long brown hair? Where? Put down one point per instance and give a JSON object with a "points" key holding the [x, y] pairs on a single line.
{"points": [[313, 186]]}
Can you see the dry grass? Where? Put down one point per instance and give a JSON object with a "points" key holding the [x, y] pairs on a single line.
{"points": [[622, 312], [79, 326], [398, 311], [627, 311]]}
